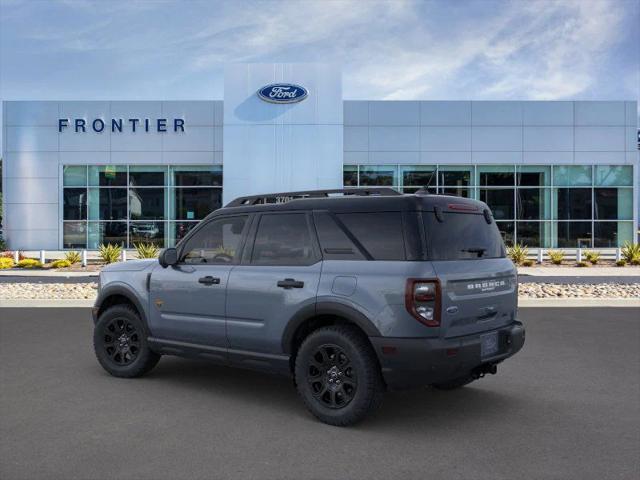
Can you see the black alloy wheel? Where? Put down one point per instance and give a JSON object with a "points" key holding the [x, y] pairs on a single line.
{"points": [[121, 341], [331, 376]]}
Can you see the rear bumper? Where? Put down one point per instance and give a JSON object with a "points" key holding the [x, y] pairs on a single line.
{"points": [[414, 362]]}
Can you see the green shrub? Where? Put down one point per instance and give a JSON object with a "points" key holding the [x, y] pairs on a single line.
{"points": [[110, 253], [582, 263], [3, 245], [73, 257], [146, 250], [621, 263], [592, 257], [556, 256], [518, 253], [527, 263], [29, 263], [631, 253], [61, 263], [6, 263]]}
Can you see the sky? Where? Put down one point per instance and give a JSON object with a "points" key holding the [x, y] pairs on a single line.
{"points": [[455, 49]]}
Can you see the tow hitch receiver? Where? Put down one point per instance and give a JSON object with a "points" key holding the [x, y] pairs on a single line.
{"points": [[482, 370]]}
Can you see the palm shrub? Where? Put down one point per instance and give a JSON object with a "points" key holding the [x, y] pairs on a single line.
{"points": [[6, 262], [110, 253], [518, 253], [146, 250], [592, 257], [631, 253], [73, 257], [556, 256]]}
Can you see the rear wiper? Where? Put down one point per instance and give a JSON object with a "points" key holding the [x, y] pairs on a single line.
{"points": [[478, 250]]}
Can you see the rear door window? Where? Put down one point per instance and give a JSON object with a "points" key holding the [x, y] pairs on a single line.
{"points": [[283, 239], [334, 241], [462, 236], [379, 233]]}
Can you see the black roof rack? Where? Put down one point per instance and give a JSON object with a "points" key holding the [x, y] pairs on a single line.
{"points": [[285, 197]]}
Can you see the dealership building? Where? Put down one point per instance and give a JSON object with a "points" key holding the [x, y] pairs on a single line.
{"points": [[80, 173]]}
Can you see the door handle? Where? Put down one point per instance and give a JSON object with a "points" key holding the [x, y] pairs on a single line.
{"points": [[209, 280], [290, 283]]}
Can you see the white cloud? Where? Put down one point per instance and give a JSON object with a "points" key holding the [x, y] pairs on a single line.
{"points": [[398, 49]]}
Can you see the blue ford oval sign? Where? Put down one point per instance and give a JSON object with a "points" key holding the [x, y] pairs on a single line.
{"points": [[283, 93]]}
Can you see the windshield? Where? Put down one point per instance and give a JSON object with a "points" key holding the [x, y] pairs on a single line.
{"points": [[462, 236]]}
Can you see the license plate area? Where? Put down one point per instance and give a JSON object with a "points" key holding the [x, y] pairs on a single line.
{"points": [[489, 344]]}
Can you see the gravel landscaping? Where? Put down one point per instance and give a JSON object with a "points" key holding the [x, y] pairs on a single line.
{"points": [[43, 291], [589, 290], [87, 290]]}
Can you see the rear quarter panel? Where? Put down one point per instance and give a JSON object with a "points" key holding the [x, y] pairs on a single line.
{"points": [[376, 289]]}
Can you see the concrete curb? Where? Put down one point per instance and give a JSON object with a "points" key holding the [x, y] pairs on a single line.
{"points": [[522, 302]]}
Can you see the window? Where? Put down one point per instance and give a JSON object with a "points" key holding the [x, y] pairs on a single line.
{"points": [[385, 175], [454, 176], [108, 176], [572, 175], [573, 203], [520, 195], [350, 176], [334, 242], [74, 235], [75, 204], [462, 236], [614, 175], [533, 176], [283, 239], [574, 234], [533, 203], [148, 203], [379, 233], [215, 243], [612, 234], [196, 176], [417, 176], [195, 203], [613, 203], [496, 176], [500, 201]]}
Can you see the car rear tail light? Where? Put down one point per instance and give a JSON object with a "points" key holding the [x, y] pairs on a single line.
{"points": [[422, 299]]}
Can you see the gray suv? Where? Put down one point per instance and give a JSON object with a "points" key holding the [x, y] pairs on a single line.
{"points": [[349, 292]]}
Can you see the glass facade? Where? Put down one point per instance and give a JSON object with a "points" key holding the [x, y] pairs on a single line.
{"points": [[549, 206], [129, 204]]}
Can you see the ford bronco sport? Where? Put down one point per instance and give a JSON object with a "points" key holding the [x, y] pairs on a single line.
{"points": [[350, 292]]}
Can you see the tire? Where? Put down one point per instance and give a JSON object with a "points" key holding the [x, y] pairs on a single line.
{"points": [[337, 375], [454, 384], [128, 356]]}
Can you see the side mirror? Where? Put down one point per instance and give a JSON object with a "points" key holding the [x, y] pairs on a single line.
{"points": [[167, 257]]}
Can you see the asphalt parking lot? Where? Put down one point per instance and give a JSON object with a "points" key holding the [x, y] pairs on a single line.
{"points": [[566, 407]]}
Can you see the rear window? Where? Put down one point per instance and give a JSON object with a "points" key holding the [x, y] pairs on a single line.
{"points": [[462, 236], [380, 233]]}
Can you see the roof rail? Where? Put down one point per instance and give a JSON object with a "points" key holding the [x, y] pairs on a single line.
{"points": [[285, 197]]}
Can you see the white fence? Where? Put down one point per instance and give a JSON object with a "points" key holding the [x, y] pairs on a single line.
{"points": [[537, 254]]}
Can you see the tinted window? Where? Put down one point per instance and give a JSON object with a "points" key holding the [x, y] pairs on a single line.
{"points": [[379, 233], [462, 236], [216, 243], [75, 204], [334, 242], [283, 240]]}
